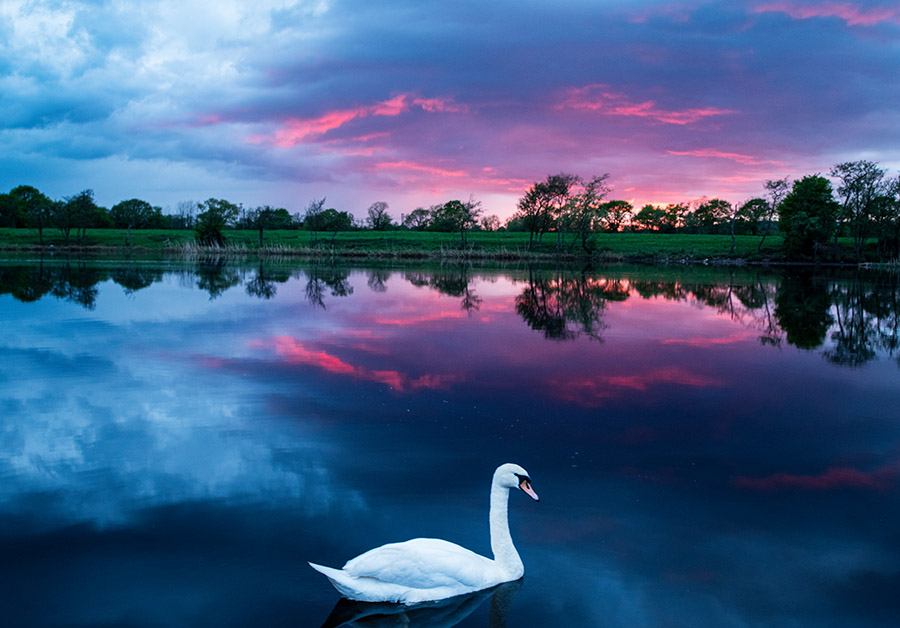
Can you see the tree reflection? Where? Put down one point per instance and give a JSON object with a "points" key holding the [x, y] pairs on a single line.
{"points": [[262, 285], [851, 318], [452, 281], [866, 320], [322, 278], [564, 305], [802, 309], [215, 276], [133, 277]]}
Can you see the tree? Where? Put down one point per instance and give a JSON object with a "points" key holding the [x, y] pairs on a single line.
{"points": [[333, 220], [807, 216], [889, 220], [860, 190], [63, 215], [776, 190], [490, 223], [541, 206], [617, 215], [12, 214], [378, 218], [78, 212], [312, 219], [131, 213], [36, 205], [266, 217], [709, 215], [418, 219], [585, 209], [456, 216], [215, 214], [649, 218]]}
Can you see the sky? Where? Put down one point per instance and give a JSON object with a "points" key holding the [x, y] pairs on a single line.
{"points": [[279, 102]]}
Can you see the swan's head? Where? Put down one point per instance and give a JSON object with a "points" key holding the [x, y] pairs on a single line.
{"points": [[511, 475]]}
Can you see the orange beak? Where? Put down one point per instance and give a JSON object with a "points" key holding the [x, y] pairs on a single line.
{"points": [[525, 485]]}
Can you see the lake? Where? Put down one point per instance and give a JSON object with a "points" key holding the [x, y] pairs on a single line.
{"points": [[713, 447]]}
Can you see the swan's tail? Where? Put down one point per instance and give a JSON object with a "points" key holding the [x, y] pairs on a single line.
{"points": [[338, 578]]}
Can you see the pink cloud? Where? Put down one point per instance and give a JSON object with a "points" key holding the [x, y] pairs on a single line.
{"points": [[301, 130], [592, 391], [850, 12], [598, 98], [698, 341], [293, 351], [411, 165], [833, 478], [748, 160]]}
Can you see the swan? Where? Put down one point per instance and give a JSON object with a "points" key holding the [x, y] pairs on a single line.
{"points": [[426, 570]]}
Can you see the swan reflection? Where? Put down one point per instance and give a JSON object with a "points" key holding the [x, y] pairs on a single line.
{"points": [[440, 614]]}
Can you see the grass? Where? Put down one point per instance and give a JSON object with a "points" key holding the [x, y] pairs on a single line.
{"points": [[646, 247]]}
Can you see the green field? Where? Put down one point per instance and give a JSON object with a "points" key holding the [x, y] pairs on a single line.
{"points": [[400, 244]]}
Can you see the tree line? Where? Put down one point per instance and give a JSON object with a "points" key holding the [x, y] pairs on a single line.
{"points": [[809, 213]]}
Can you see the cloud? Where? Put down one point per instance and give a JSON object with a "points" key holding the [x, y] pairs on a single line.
{"points": [[600, 99], [851, 12], [294, 351], [738, 157], [298, 130], [594, 391]]}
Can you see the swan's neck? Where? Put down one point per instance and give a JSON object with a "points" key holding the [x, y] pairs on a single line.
{"points": [[505, 554]]}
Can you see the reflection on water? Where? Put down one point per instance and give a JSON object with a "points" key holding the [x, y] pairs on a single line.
{"points": [[852, 317], [441, 614], [718, 447]]}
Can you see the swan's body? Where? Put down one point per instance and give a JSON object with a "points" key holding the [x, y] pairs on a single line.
{"points": [[424, 570]]}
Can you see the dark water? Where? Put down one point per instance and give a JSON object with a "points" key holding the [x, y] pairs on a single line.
{"points": [[711, 448]]}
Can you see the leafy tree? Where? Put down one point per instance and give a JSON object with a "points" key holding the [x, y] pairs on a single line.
{"points": [[456, 216], [333, 220], [649, 218], [418, 219], [490, 223], [617, 213], [63, 216], [378, 218], [215, 215], [131, 213], [75, 212], [12, 214], [889, 220], [586, 208], [709, 215], [543, 203], [750, 216], [312, 218], [262, 218], [861, 189], [807, 215], [776, 190], [37, 206]]}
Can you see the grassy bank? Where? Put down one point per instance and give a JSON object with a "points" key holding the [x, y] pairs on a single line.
{"points": [[399, 244]]}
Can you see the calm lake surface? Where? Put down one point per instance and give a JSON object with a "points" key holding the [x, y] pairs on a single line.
{"points": [[712, 448]]}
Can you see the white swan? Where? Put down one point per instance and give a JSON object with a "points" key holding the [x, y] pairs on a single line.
{"points": [[423, 570]]}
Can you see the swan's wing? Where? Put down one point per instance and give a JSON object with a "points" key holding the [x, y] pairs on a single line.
{"points": [[424, 564]]}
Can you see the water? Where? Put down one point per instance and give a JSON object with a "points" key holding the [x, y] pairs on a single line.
{"points": [[712, 448]]}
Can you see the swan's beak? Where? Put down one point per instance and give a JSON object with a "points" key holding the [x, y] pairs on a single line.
{"points": [[525, 485]]}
